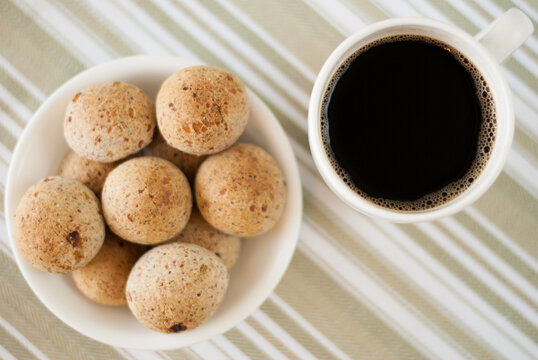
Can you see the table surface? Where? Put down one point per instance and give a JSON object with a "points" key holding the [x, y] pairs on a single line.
{"points": [[462, 287]]}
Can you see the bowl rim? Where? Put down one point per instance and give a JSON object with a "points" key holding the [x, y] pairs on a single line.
{"points": [[294, 195]]}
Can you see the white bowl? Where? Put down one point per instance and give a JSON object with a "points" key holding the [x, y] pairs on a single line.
{"points": [[263, 260]]}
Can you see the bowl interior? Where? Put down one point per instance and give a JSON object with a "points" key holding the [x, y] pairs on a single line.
{"points": [[263, 259]]}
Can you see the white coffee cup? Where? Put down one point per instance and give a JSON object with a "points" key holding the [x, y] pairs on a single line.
{"points": [[486, 51]]}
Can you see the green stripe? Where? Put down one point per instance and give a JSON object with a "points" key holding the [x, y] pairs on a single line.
{"points": [[313, 38], [181, 354], [214, 343], [122, 46], [36, 54], [171, 26], [507, 205], [16, 118], [521, 138], [23, 310], [156, 13], [15, 88], [489, 269], [480, 10], [295, 331], [7, 166], [13, 346], [272, 339], [393, 280], [523, 74], [2, 192], [259, 45], [498, 248], [368, 11], [510, 4], [6, 138], [331, 309], [471, 281], [514, 316], [245, 345], [312, 56], [290, 127]]}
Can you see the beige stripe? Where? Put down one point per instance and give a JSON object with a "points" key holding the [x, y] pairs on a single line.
{"points": [[2, 201], [295, 331], [258, 44], [306, 33], [87, 16], [218, 37], [491, 270], [33, 52], [401, 283], [186, 39], [16, 119], [22, 310], [214, 343], [18, 91], [368, 11], [180, 354], [279, 345], [308, 212], [480, 10], [470, 280], [183, 37], [337, 315], [500, 250], [6, 164], [13, 346], [6, 138], [244, 344], [524, 75], [523, 140], [291, 129], [511, 209]]}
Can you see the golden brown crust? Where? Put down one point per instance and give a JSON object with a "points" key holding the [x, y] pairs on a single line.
{"points": [[241, 191], [202, 109], [199, 232], [109, 121], [176, 287], [90, 173], [146, 200], [58, 225], [187, 163], [104, 279]]}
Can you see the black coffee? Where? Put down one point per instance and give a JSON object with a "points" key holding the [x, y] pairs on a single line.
{"points": [[409, 122]]}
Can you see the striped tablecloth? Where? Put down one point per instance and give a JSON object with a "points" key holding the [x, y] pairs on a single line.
{"points": [[462, 287]]}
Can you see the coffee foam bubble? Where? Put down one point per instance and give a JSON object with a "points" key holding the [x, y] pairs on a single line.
{"points": [[486, 136]]}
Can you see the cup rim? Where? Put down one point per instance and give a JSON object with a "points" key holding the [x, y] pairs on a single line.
{"points": [[503, 103]]}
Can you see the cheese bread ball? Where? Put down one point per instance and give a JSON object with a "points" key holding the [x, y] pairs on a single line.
{"points": [[199, 232], [202, 109], [104, 279], [241, 191], [176, 287], [109, 121], [58, 225], [187, 163], [90, 173], [146, 200]]}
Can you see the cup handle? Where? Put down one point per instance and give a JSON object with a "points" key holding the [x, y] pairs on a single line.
{"points": [[506, 33]]}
